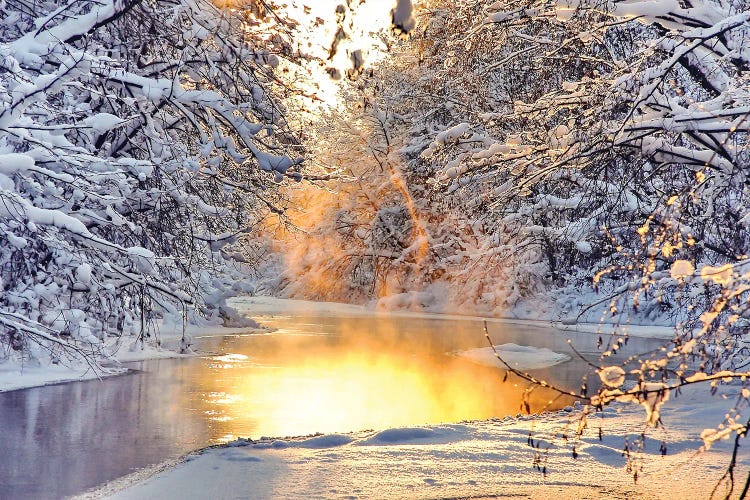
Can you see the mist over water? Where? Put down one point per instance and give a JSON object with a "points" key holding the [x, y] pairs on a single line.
{"points": [[348, 374]]}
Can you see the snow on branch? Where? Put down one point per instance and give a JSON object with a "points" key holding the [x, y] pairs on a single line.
{"points": [[136, 140]]}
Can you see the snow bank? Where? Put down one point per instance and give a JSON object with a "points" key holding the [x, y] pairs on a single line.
{"points": [[15, 376], [415, 435], [326, 441], [476, 459], [518, 356], [643, 331], [260, 306]]}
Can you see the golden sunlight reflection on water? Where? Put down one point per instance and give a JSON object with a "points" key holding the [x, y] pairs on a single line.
{"points": [[348, 374]]}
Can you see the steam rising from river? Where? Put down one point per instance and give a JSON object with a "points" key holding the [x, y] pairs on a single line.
{"points": [[374, 373]]}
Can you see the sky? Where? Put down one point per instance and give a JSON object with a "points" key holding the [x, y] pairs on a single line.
{"points": [[321, 20]]}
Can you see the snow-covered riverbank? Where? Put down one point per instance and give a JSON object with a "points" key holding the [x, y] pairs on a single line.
{"points": [[15, 375], [475, 459], [253, 306]]}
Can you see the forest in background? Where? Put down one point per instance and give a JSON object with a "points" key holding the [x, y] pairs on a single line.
{"points": [[511, 152]]}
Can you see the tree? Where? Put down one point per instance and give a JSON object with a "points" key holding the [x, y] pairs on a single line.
{"points": [[140, 144], [600, 116], [616, 141], [388, 234]]}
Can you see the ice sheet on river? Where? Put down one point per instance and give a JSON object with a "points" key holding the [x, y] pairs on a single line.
{"points": [[517, 356]]}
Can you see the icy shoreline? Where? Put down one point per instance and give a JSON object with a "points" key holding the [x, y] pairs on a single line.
{"points": [[468, 459], [16, 376], [271, 305]]}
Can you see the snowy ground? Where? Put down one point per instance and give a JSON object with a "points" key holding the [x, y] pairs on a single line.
{"points": [[14, 375], [474, 459], [19, 376]]}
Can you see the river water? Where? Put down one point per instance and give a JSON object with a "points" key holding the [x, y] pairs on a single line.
{"points": [[314, 373]]}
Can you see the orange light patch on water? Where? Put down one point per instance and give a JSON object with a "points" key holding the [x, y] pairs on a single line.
{"points": [[332, 384], [359, 392]]}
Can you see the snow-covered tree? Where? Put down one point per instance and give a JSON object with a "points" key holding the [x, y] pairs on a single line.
{"points": [[140, 143], [598, 114], [614, 139], [579, 144]]}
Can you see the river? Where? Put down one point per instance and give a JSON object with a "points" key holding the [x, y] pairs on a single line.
{"points": [[315, 373]]}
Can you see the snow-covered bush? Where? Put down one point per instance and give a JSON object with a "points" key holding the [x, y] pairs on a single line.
{"points": [[139, 146]]}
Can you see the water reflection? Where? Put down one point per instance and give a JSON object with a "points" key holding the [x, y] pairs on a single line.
{"points": [[63, 439], [344, 374], [314, 374]]}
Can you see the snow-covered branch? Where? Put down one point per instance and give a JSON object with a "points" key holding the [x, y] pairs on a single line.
{"points": [[136, 140]]}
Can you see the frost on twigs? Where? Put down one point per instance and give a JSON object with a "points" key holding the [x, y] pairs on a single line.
{"points": [[681, 269], [612, 376], [711, 436], [650, 395]]}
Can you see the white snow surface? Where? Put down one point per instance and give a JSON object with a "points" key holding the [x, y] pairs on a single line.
{"points": [[520, 357], [275, 306], [19, 376], [15, 376], [470, 459]]}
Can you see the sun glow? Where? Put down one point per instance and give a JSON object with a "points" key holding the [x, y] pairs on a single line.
{"points": [[294, 384], [339, 41]]}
